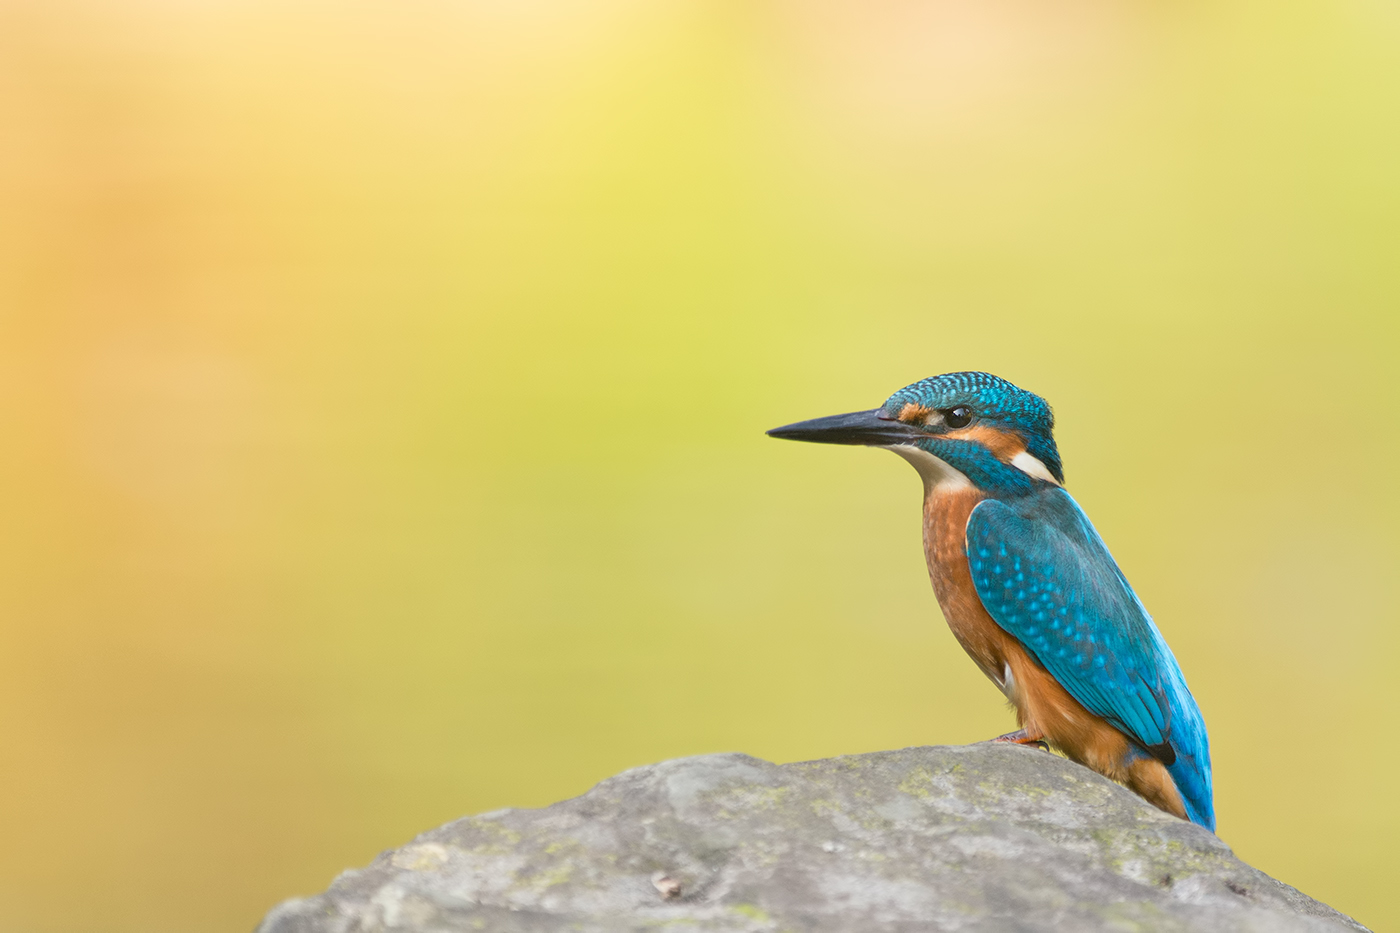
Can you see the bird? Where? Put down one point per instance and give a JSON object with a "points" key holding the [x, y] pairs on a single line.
{"points": [[1030, 590]]}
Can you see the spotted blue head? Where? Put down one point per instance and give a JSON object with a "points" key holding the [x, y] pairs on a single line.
{"points": [[956, 428]]}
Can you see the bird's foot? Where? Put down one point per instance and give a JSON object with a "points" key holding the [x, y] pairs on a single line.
{"points": [[1022, 737]]}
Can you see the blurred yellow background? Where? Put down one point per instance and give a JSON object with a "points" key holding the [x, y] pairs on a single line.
{"points": [[384, 387]]}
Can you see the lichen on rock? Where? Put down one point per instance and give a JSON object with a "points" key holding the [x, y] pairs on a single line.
{"points": [[980, 837]]}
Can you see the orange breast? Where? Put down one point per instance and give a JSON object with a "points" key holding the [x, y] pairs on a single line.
{"points": [[945, 546]]}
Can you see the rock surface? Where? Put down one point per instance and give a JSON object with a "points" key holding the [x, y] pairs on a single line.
{"points": [[973, 838]]}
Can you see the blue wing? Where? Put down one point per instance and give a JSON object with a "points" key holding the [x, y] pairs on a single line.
{"points": [[1046, 577]]}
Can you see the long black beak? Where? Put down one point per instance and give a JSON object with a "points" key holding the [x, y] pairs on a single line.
{"points": [[872, 428]]}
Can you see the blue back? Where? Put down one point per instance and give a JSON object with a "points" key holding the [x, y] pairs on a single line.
{"points": [[1046, 577]]}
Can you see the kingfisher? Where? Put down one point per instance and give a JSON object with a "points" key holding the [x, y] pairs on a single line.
{"points": [[1030, 590]]}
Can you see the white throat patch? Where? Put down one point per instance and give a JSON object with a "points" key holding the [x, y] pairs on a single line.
{"points": [[936, 472]]}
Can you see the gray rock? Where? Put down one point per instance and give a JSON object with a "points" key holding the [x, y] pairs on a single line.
{"points": [[974, 838]]}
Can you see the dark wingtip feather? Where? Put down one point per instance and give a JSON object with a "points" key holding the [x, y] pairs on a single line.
{"points": [[1163, 753]]}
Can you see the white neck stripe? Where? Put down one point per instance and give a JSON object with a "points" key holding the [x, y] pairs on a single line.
{"points": [[1031, 466]]}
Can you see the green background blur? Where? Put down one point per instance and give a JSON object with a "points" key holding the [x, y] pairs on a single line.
{"points": [[384, 385]]}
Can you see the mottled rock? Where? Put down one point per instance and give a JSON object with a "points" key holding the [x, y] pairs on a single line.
{"points": [[974, 838]]}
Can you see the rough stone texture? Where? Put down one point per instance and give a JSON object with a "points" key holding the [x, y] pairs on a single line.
{"points": [[974, 838]]}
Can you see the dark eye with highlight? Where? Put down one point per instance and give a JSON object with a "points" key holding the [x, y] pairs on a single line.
{"points": [[959, 417]]}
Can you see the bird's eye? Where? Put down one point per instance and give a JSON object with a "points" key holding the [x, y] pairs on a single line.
{"points": [[959, 417]]}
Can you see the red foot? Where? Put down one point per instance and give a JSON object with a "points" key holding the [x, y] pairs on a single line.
{"points": [[1021, 737]]}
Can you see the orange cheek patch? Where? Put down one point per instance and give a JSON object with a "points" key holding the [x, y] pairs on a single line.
{"points": [[1004, 445]]}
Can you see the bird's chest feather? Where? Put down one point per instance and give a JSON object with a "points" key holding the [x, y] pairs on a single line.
{"points": [[946, 512]]}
